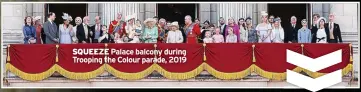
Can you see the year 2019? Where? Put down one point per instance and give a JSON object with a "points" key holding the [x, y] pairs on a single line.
{"points": [[177, 60]]}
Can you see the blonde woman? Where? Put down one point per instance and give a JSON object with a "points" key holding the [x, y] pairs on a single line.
{"points": [[277, 32], [174, 35], [264, 29]]}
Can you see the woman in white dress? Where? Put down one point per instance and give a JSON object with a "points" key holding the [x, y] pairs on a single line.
{"points": [[264, 29], [174, 35], [242, 28], [65, 30], [277, 32], [321, 33]]}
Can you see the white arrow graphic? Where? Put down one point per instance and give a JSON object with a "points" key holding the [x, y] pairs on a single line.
{"points": [[314, 84], [316, 64]]}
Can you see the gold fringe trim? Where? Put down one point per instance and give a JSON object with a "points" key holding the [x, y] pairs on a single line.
{"points": [[179, 76], [345, 71], [266, 74], [351, 57], [223, 75], [28, 76], [8, 58], [80, 76], [129, 76]]}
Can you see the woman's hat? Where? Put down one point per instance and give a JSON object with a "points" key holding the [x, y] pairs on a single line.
{"points": [[149, 20], [129, 17], [318, 21], [174, 24], [304, 21], [66, 17], [37, 18], [276, 19], [264, 13]]}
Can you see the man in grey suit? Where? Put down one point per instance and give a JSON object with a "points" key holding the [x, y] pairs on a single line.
{"points": [[51, 30]]}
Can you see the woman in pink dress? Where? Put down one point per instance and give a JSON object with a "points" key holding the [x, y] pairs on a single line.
{"points": [[234, 26]]}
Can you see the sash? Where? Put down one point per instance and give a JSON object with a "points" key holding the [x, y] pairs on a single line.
{"points": [[117, 28], [189, 29]]}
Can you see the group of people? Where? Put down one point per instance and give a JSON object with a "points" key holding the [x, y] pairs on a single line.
{"points": [[153, 30]]}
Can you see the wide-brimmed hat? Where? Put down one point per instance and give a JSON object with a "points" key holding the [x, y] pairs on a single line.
{"points": [[37, 18], [129, 17], [318, 21], [174, 24], [264, 13], [149, 20]]}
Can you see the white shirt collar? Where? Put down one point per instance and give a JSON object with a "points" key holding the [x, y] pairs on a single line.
{"points": [[51, 22]]}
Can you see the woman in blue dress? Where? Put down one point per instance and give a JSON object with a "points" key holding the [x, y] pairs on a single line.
{"points": [[29, 31], [252, 33], [65, 30]]}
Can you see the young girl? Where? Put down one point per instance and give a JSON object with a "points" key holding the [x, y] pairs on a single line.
{"points": [[117, 38], [231, 37], [218, 37], [175, 35], [208, 37]]}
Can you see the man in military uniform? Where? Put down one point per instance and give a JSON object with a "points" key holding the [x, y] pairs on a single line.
{"points": [[191, 30], [117, 26], [162, 31]]}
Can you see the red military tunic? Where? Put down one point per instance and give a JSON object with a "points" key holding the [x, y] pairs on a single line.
{"points": [[192, 32], [115, 23]]}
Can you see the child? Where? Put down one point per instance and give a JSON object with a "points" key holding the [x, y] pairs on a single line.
{"points": [[105, 38], [231, 37], [117, 38], [218, 37], [208, 37], [138, 27], [304, 34], [175, 35]]}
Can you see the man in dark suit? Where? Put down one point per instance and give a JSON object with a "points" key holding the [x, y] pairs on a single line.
{"points": [[314, 27], [83, 31], [223, 27], [292, 31], [51, 30], [96, 30], [334, 30]]}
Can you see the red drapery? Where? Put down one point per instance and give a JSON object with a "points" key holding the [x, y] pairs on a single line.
{"points": [[70, 69], [181, 70], [229, 61], [130, 70], [32, 62], [317, 50], [224, 61]]}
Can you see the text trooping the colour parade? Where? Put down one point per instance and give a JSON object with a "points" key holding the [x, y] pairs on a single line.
{"points": [[129, 56]]}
